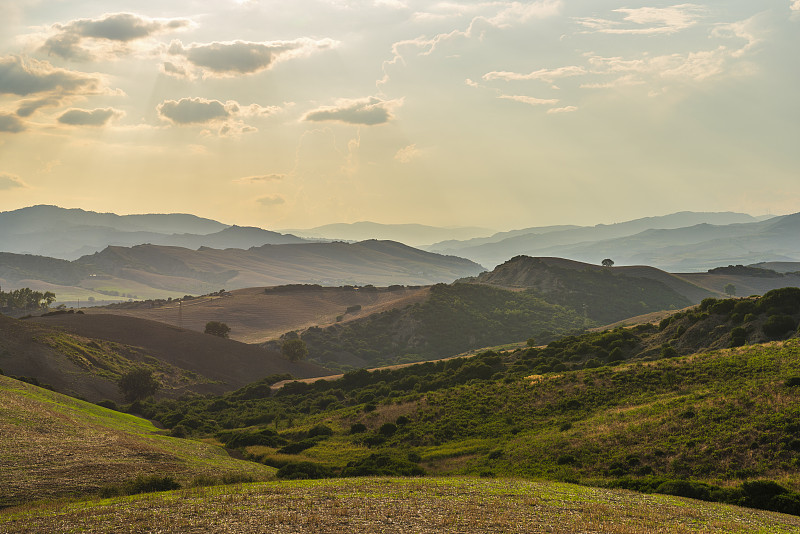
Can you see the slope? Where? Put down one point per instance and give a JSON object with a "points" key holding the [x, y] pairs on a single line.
{"points": [[52, 445], [258, 314], [85, 355]]}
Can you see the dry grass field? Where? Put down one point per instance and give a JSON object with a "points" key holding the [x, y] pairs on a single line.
{"points": [[255, 316], [53, 446], [392, 505]]}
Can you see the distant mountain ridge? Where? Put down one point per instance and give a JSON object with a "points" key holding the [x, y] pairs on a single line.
{"points": [[71, 233], [410, 234], [145, 270], [681, 241]]}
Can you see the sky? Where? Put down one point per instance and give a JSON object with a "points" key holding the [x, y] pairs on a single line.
{"points": [[499, 114]]}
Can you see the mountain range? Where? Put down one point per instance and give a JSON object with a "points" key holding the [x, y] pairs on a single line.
{"points": [[685, 241]]}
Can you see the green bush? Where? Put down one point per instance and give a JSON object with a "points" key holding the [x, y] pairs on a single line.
{"points": [[778, 326], [304, 470], [382, 465]]}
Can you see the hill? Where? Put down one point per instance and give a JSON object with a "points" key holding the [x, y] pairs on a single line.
{"points": [[394, 505], [85, 355], [524, 298], [586, 243], [54, 446], [259, 314], [71, 233], [153, 271]]}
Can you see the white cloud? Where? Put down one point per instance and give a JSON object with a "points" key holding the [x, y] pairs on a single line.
{"points": [[261, 178], [407, 153], [532, 101], [547, 75], [104, 38], [235, 58], [95, 117], [194, 110], [368, 111], [795, 5], [10, 181], [647, 20], [26, 76], [565, 109]]}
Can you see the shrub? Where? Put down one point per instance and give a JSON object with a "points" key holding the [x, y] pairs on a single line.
{"points": [[738, 337], [358, 428], [304, 470], [387, 429], [685, 488], [778, 325], [141, 484], [297, 447], [382, 465], [216, 328], [319, 430]]}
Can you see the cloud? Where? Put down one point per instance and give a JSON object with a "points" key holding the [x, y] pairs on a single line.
{"points": [[89, 39], [10, 181], [194, 110], [241, 57], [531, 100], [261, 178], [368, 111], [408, 153], [795, 5], [26, 76], [95, 117], [11, 123], [647, 20], [272, 200], [566, 109], [547, 75]]}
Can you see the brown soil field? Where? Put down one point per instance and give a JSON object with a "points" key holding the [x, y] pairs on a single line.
{"points": [[256, 316], [398, 506]]}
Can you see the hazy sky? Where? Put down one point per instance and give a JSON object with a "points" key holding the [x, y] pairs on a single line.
{"points": [[499, 114]]}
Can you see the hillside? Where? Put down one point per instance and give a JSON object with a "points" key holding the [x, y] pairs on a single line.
{"points": [[259, 314], [52, 446], [85, 355], [397, 505], [702, 405]]}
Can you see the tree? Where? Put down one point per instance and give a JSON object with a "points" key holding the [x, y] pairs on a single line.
{"points": [[730, 290], [294, 350], [216, 328], [137, 384], [608, 262]]}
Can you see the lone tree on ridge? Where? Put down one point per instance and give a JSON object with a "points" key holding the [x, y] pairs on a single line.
{"points": [[608, 262]]}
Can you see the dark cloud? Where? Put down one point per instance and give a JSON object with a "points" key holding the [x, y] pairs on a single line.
{"points": [[25, 76], [242, 57], [261, 178], [368, 111], [10, 123], [82, 117], [117, 27], [10, 181], [29, 107], [193, 110]]}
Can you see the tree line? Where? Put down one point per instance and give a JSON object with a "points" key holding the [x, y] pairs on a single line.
{"points": [[25, 299]]}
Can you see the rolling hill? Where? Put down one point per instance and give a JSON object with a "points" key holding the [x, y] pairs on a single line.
{"points": [[259, 314], [84, 355], [54, 446], [410, 234]]}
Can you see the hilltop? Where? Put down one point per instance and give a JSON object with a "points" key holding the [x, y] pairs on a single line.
{"points": [[84, 355]]}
